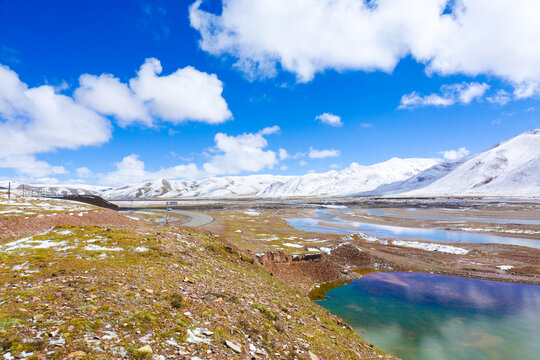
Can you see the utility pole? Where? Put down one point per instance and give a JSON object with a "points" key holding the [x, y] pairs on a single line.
{"points": [[167, 218], [9, 190], [23, 190]]}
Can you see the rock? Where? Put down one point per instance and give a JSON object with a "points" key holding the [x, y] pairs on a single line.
{"points": [[236, 348], [75, 354], [149, 291], [70, 328], [312, 356], [38, 317], [207, 333], [145, 350], [158, 357]]}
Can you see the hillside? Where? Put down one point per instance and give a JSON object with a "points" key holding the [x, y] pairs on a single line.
{"points": [[511, 168], [86, 283]]}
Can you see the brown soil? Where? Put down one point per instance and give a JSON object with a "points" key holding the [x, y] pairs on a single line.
{"points": [[17, 226]]}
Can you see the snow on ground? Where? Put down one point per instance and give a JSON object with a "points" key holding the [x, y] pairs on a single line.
{"points": [[505, 267], [93, 247], [60, 240], [18, 205], [252, 213], [293, 245], [499, 229], [431, 247], [413, 244]]}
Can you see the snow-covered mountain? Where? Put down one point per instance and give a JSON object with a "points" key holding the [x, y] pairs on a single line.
{"points": [[54, 189], [353, 180], [229, 186], [511, 168], [418, 181]]}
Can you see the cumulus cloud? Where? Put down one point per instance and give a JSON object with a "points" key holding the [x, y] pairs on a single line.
{"points": [[329, 119], [454, 154], [107, 95], [186, 94], [463, 93], [231, 155], [321, 154], [283, 154], [83, 172], [131, 170], [494, 37], [37, 120], [30, 166], [244, 152]]}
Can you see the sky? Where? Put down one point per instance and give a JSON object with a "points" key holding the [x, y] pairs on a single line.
{"points": [[115, 92]]}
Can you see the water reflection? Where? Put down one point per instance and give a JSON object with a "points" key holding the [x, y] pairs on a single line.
{"points": [[380, 212], [385, 231], [424, 316]]}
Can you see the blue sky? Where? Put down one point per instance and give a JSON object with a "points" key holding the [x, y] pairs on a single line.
{"points": [[268, 78]]}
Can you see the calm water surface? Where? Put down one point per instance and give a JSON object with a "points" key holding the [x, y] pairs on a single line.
{"points": [[426, 317], [381, 212], [385, 231]]}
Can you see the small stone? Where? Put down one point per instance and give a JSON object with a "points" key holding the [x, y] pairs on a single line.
{"points": [[70, 328], [158, 357], [207, 333], [312, 356], [149, 291], [38, 317], [236, 348], [75, 354], [145, 350]]}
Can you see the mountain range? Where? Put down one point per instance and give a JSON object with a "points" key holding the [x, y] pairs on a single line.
{"points": [[511, 168]]}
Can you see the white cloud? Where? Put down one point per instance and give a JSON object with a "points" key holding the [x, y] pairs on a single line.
{"points": [[270, 130], [454, 154], [302, 163], [241, 153], [186, 94], [37, 120], [501, 97], [232, 155], [107, 95], [283, 167], [283, 154], [493, 37], [366, 125], [83, 172], [334, 166], [330, 119], [131, 170], [321, 154], [462, 93], [29, 165]]}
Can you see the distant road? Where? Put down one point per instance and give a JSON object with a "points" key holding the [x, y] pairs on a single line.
{"points": [[197, 219]]}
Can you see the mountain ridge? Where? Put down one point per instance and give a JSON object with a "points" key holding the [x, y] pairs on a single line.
{"points": [[509, 168]]}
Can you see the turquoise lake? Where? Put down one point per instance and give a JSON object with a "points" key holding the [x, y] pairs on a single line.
{"points": [[426, 316]]}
